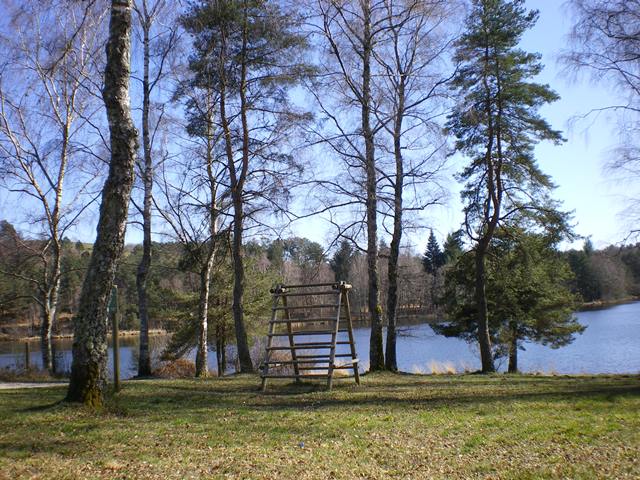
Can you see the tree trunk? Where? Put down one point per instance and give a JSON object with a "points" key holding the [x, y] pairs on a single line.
{"points": [[144, 358], [376, 352], [202, 368], [244, 355], [484, 338], [46, 336], [51, 294], [221, 346], [238, 182], [89, 365], [391, 361], [513, 349]]}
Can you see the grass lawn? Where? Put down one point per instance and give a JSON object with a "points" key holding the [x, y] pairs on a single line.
{"points": [[392, 426]]}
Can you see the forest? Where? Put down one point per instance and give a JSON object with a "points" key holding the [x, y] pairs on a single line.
{"points": [[212, 128]]}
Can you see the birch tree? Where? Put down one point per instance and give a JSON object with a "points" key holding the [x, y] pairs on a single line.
{"points": [[159, 35], [89, 366], [348, 32], [195, 199], [411, 86], [47, 88]]}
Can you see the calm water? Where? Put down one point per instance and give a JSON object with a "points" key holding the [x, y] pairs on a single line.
{"points": [[610, 344]]}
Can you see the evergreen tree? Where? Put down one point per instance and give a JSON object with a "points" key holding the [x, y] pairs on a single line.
{"points": [[432, 261], [250, 53], [342, 260], [433, 258], [453, 246], [497, 124], [587, 283], [528, 295]]}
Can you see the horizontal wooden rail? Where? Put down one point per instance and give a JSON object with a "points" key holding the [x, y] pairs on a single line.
{"points": [[305, 320], [299, 307], [335, 285], [294, 362], [309, 332], [337, 355], [306, 294]]}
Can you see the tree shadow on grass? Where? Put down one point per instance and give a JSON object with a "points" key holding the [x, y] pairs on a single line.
{"points": [[388, 391], [45, 407], [431, 399]]}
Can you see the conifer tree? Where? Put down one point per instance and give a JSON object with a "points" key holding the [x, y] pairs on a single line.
{"points": [[527, 293], [433, 257], [497, 124], [342, 261], [453, 246], [250, 52]]}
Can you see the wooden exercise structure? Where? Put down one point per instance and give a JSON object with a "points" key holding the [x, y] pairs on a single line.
{"points": [[309, 332]]}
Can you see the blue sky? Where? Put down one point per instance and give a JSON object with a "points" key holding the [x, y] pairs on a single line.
{"points": [[576, 166]]}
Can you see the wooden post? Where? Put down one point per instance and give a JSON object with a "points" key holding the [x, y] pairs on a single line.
{"points": [[292, 343], [27, 357], [334, 336], [113, 310], [352, 342]]}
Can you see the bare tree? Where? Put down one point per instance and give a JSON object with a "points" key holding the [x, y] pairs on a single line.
{"points": [[605, 42], [46, 107], [89, 365], [411, 86], [159, 34], [349, 31]]}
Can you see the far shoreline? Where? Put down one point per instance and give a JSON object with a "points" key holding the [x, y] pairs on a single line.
{"points": [[584, 307], [69, 336]]}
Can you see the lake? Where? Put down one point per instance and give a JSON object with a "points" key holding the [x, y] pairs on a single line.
{"points": [[610, 344]]}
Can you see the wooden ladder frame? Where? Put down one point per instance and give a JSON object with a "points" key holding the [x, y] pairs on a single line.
{"points": [[303, 363]]}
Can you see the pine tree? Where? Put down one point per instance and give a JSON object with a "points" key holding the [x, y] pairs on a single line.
{"points": [[342, 261], [453, 246], [433, 258], [250, 53], [527, 293], [497, 124]]}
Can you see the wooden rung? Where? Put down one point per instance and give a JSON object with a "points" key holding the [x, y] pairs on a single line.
{"points": [[337, 355], [305, 320], [303, 346], [311, 362], [337, 367], [295, 376], [293, 362], [298, 307], [348, 366], [303, 294], [312, 332], [335, 285]]}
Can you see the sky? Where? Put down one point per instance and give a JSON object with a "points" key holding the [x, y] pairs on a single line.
{"points": [[576, 166]]}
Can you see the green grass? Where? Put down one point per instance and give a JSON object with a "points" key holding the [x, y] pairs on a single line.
{"points": [[392, 426]]}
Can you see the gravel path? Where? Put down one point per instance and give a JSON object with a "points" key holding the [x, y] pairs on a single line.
{"points": [[15, 385]]}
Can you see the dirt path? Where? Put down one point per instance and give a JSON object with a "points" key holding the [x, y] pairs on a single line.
{"points": [[16, 385]]}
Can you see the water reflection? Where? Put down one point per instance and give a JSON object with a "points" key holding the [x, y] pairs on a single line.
{"points": [[610, 344]]}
